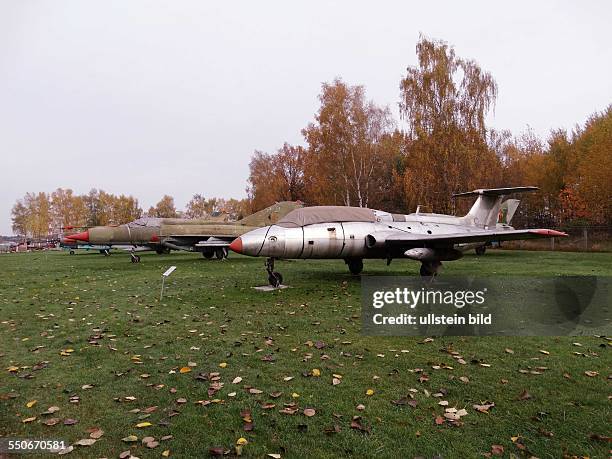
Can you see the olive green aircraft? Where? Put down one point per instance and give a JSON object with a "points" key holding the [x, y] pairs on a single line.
{"points": [[210, 236]]}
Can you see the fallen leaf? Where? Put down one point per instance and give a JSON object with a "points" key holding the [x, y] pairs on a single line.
{"points": [[370, 392], [166, 453], [484, 408], [497, 450], [591, 374], [356, 424], [223, 365], [70, 421], [96, 433], [27, 420], [66, 450], [51, 421], [237, 380], [130, 439], [31, 403], [309, 412], [85, 442], [185, 370], [141, 425], [525, 395]]}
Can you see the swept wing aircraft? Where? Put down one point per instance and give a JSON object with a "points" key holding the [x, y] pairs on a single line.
{"points": [[354, 233], [210, 236]]}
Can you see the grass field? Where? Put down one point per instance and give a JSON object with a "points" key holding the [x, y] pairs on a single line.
{"points": [[87, 334]]}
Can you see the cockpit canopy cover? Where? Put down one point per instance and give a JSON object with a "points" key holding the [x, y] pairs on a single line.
{"points": [[326, 214], [145, 221]]}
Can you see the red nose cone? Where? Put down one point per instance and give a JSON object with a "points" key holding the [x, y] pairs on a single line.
{"points": [[84, 236], [236, 245]]}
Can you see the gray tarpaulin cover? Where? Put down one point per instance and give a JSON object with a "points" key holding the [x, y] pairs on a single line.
{"points": [[326, 214]]}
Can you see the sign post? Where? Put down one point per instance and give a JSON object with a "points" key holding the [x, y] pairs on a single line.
{"points": [[169, 271]]}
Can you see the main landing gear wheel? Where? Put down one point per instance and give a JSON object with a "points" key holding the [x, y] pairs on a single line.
{"points": [[72, 252], [430, 269], [274, 278], [480, 250], [355, 265], [208, 255], [221, 253]]}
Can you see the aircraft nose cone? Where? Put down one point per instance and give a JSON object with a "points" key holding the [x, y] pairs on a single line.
{"points": [[236, 245], [84, 236]]}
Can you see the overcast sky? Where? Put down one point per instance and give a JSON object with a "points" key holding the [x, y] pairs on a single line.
{"points": [[151, 97]]}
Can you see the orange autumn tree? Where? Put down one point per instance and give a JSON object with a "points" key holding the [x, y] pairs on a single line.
{"points": [[444, 100], [350, 148], [276, 177]]}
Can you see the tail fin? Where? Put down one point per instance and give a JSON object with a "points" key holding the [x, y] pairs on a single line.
{"points": [[270, 215], [485, 211]]}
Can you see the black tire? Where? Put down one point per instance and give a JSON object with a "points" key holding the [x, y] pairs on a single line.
{"points": [[355, 266], [137, 258], [207, 255], [426, 271], [275, 279], [480, 250], [72, 252]]}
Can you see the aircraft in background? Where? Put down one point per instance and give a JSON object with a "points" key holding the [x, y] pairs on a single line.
{"points": [[355, 233], [210, 236]]}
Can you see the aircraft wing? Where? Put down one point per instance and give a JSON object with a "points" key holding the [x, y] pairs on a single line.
{"points": [[401, 239]]}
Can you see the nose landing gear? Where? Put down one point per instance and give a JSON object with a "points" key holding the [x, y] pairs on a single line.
{"points": [[274, 278], [135, 258]]}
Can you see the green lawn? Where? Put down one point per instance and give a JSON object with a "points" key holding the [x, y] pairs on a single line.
{"points": [[128, 349]]}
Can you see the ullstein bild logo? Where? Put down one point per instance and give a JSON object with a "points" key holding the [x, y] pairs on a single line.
{"points": [[412, 298]]}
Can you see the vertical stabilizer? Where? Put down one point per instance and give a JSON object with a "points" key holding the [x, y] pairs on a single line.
{"points": [[485, 211]]}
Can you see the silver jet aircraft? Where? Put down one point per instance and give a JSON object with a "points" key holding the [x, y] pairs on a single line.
{"points": [[355, 233]]}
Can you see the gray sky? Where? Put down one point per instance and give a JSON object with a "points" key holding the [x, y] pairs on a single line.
{"points": [[151, 97]]}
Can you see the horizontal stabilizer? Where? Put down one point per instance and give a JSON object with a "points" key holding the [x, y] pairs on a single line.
{"points": [[496, 191]]}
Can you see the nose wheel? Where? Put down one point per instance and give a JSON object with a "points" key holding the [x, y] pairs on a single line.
{"points": [[135, 258], [274, 278]]}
